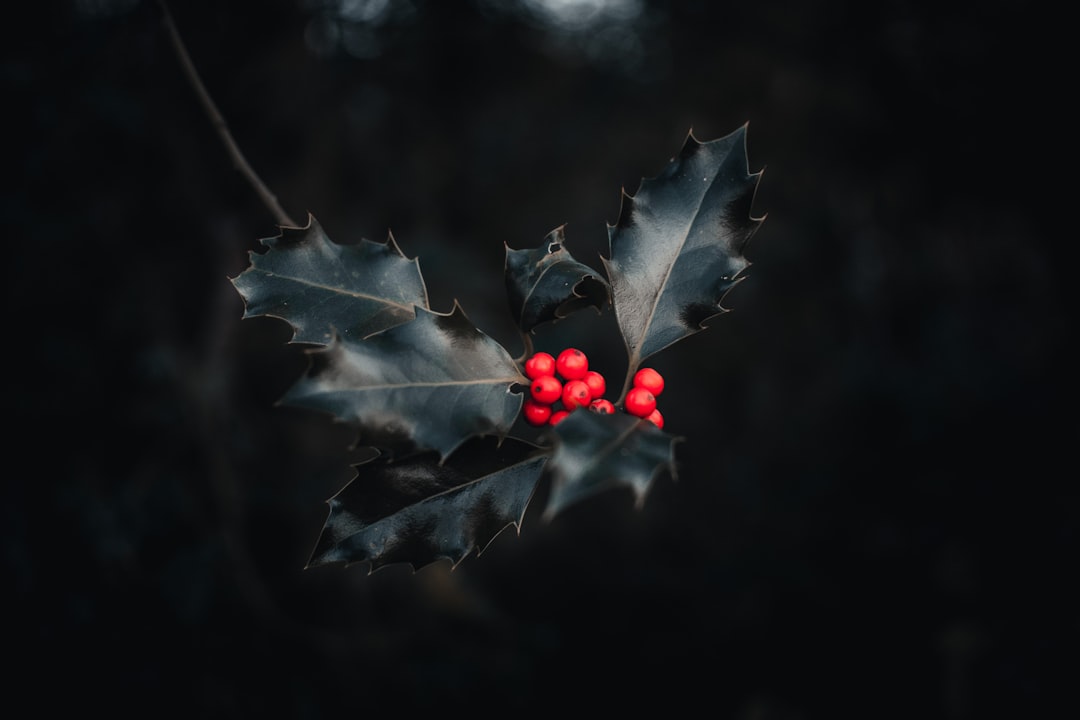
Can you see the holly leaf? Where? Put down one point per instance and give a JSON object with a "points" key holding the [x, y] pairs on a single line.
{"points": [[429, 384], [676, 249], [595, 452], [420, 510], [320, 287], [546, 283]]}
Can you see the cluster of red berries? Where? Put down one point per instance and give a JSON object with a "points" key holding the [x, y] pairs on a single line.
{"points": [[565, 383]]}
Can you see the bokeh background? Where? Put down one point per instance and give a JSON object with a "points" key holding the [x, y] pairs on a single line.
{"points": [[875, 508]]}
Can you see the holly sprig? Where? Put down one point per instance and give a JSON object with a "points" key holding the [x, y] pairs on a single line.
{"points": [[436, 398], [419, 386]]}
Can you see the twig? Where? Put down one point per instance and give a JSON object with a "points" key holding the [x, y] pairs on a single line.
{"points": [[218, 122], [526, 340]]}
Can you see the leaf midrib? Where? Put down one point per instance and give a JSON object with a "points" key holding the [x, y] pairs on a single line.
{"points": [[452, 383], [636, 359], [330, 288]]}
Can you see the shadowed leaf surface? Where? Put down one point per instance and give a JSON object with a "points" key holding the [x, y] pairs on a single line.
{"points": [[677, 247], [320, 287], [429, 384], [546, 283], [417, 510], [596, 452]]}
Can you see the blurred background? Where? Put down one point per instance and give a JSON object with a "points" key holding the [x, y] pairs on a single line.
{"points": [[875, 507]]}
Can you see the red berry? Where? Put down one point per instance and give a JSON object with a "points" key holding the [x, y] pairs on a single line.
{"points": [[656, 418], [558, 416], [597, 384], [575, 394], [650, 380], [546, 389], [602, 406], [640, 402], [536, 413], [539, 364], [572, 364]]}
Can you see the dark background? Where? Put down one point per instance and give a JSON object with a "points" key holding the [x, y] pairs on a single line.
{"points": [[875, 510]]}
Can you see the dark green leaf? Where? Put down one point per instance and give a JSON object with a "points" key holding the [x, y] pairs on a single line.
{"points": [[417, 510], [677, 247], [320, 287], [428, 384], [596, 452], [546, 283]]}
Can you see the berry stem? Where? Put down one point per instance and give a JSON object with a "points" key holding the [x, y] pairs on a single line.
{"points": [[628, 381], [527, 343]]}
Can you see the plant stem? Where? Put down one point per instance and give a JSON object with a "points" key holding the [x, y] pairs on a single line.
{"points": [[526, 341], [218, 122]]}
